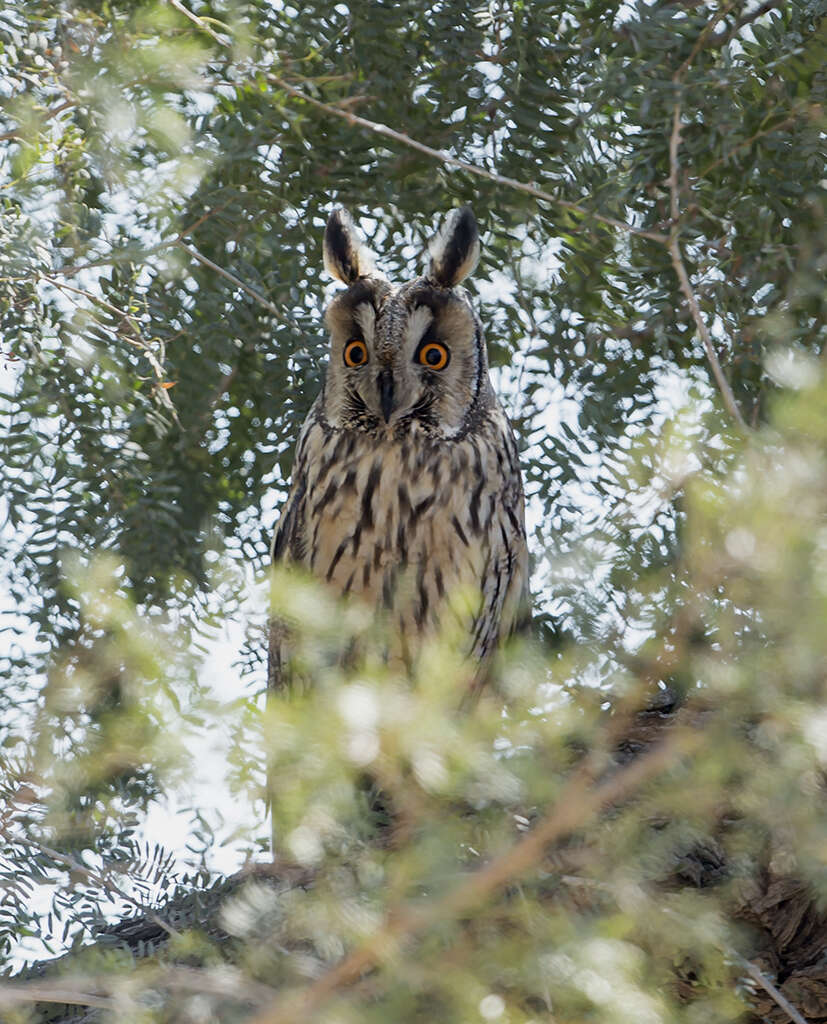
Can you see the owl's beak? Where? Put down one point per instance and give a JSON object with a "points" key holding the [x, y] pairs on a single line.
{"points": [[385, 384]]}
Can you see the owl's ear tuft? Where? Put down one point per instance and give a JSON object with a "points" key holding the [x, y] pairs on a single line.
{"points": [[454, 249], [346, 256]]}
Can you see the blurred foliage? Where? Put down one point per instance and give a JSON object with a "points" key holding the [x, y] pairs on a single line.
{"points": [[163, 197]]}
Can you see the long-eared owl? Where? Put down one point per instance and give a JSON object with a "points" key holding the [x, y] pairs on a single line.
{"points": [[406, 486]]}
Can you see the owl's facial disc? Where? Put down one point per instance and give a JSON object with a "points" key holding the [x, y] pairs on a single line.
{"points": [[401, 357]]}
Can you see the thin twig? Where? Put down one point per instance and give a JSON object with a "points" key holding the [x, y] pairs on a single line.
{"points": [[702, 38], [723, 38], [753, 138], [452, 161], [127, 255], [48, 116], [201, 23], [683, 276], [136, 340], [223, 387], [88, 990], [63, 993], [772, 991], [95, 877], [754, 972], [196, 255], [576, 805]]}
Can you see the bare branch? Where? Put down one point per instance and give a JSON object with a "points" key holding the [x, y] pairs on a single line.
{"points": [[723, 38], [128, 255], [202, 23], [452, 161], [196, 255], [48, 116], [683, 276], [706, 337], [791, 119], [772, 991], [134, 338], [702, 39], [63, 992], [100, 878], [90, 990]]}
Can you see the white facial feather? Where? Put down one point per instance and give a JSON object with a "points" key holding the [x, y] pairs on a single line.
{"points": [[365, 316], [418, 322]]}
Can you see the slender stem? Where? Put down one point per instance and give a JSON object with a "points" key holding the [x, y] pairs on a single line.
{"points": [[723, 38], [64, 993], [683, 277], [200, 22], [712, 357], [88, 990], [136, 339], [48, 116], [196, 255], [126, 255], [772, 991], [452, 161], [94, 877], [787, 121], [703, 37]]}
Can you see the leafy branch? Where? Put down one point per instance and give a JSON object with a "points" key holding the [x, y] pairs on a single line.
{"points": [[579, 802], [103, 879], [671, 240]]}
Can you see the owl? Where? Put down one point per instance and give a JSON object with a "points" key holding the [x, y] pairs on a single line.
{"points": [[406, 489]]}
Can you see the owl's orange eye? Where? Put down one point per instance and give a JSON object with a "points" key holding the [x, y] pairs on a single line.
{"points": [[356, 353], [434, 355]]}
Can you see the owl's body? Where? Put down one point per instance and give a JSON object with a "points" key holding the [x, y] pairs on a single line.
{"points": [[406, 486]]}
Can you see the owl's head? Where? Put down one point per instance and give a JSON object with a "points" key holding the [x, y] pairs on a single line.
{"points": [[410, 355]]}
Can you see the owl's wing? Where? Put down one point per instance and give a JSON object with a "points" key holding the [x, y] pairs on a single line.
{"points": [[290, 529], [289, 524], [288, 545], [506, 601]]}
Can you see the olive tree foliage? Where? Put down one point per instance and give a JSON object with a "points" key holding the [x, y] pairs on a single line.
{"points": [[650, 183]]}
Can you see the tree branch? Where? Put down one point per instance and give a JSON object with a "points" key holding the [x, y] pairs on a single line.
{"points": [[196, 255], [202, 22], [127, 255], [48, 116], [723, 38], [136, 339], [787, 121], [452, 161], [63, 993], [774, 993], [683, 276], [89, 990], [575, 806], [702, 38], [94, 877]]}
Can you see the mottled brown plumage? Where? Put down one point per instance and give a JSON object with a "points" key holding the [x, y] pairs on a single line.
{"points": [[406, 487]]}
